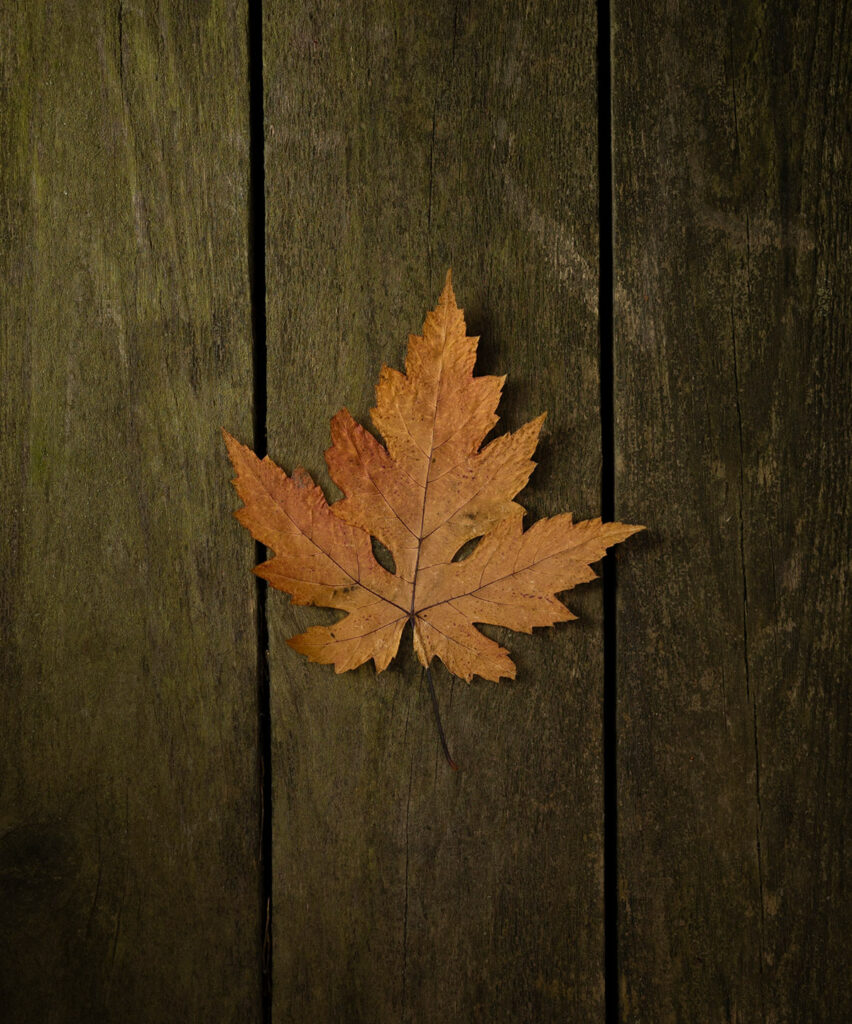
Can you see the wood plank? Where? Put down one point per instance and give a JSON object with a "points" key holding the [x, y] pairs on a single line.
{"points": [[128, 782], [731, 155], [402, 140]]}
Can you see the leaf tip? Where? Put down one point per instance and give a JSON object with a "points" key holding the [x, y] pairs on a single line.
{"points": [[235, 449], [617, 532], [447, 293]]}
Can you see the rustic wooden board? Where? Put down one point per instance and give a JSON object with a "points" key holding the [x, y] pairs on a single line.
{"points": [[732, 364], [401, 141], [128, 782]]}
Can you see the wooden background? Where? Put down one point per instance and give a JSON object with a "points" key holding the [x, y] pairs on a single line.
{"points": [[401, 139]]}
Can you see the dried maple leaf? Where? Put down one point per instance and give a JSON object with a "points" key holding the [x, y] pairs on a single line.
{"points": [[423, 496]]}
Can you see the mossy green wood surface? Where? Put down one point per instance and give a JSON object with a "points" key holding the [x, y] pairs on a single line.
{"points": [[128, 790], [402, 140], [732, 252]]}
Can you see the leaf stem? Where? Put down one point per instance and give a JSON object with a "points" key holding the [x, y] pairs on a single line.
{"points": [[443, 738]]}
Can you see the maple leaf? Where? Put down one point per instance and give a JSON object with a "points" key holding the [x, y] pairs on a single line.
{"points": [[424, 494]]}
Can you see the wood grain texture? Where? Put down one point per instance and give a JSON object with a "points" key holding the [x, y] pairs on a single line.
{"points": [[732, 249], [401, 140], [128, 807]]}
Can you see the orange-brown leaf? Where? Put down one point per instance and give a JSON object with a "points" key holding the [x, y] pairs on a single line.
{"points": [[424, 493]]}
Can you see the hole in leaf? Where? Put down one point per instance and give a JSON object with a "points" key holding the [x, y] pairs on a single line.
{"points": [[382, 555], [467, 549]]}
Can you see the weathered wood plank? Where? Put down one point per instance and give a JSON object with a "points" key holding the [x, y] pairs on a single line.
{"points": [[403, 139], [128, 807], [732, 158]]}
